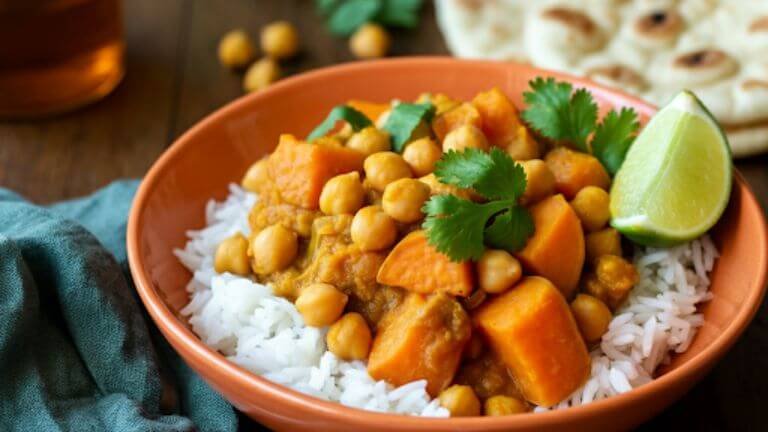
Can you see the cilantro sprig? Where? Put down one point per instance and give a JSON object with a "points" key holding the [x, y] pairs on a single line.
{"points": [[558, 112], [461, 228], [403, 121], [355, 118], [614, 136]]}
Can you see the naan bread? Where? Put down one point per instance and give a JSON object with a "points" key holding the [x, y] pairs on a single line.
{"points": [[651, 48]]}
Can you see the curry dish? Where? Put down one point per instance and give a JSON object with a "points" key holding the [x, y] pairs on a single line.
{"points": [[343, 228]]}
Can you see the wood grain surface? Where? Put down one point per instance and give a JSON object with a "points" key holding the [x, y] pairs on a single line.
{"points": [[173, 80]]}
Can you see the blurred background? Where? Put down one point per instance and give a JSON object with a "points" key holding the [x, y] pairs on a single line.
{"points": [[95, 90]]}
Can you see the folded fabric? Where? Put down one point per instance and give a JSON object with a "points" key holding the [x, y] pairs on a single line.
{"points": [[77, 351]]}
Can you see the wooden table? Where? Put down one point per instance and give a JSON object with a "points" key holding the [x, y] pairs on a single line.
{"points": [[174, 79]]}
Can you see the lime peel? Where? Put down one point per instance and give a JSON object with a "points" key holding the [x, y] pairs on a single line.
{"points": [[676, 180]]}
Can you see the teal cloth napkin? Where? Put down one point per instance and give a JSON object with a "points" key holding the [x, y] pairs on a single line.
{"points": [[77, 351]]}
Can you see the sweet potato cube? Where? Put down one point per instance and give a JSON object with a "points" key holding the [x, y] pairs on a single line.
{"points": [[499, 117], [466, 113], [372, 110], [556, 248], [415, 265], [575, 170], [423, 338], [300, 169], [532, 330]]}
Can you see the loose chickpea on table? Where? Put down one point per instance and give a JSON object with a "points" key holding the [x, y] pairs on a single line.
{"points": [[370, 41]]}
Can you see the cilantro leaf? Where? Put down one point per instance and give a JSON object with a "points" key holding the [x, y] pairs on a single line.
{"points": [[493, 175], [351, 14], [460, 228], [355, 118], [462, 169], [399, 13], [505, 180], [404, 119], [455, 226], [613, 137], [510, 230], [559, 113]]}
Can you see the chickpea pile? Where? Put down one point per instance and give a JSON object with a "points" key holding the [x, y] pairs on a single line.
{"points": [[279, 40]]}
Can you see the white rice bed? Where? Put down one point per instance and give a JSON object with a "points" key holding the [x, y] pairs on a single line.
{"points": [[265, 333]]}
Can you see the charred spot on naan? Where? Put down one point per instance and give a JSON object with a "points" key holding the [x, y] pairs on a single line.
{"points": [[702, 66], [759, 25], [660, 25]]}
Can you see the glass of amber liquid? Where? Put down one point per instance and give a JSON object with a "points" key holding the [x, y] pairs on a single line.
{"points": [[57, 55]]}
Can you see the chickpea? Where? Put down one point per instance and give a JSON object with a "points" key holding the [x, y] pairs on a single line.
{"points": [[273, 249], [235, 49], [523, 146], [612, 280], [501, 405], [372, 229], [616, 273], [441, 101], [422, 155], [540, 181], [349, 338], [460, 400], [403, 200], [256, 176], [498, 271], [232, 256], [370, 41], [369, 141], [591, 205], [321, 304], [607, 241], [279, 40], [261, 74], [383, 168], [342, 194], [464, 137], [592, 316]]}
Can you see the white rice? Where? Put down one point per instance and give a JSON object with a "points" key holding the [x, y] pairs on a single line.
{"points": [[265, 334]]}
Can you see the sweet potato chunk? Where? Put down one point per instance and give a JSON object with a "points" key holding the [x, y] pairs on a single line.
{"points": [[423, 338], [466, 113], [300, 170], [499, 117], [372, 110], [575, 170], [556, 249], [533, 331], [415, 265]]}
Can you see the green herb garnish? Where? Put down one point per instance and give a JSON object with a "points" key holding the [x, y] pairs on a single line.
{"points": [[346, 16], [404, 119], [613, 137], [559, 113], [461, 228], [355, 118]]}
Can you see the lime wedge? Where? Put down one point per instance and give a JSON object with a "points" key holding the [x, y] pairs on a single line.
{"points": [[676, 179]]}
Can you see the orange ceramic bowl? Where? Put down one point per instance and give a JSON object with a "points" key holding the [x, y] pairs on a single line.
{"points": [[218, 150]]}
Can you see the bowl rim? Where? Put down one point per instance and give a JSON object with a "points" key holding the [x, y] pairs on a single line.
{"points": [[172, 327]]}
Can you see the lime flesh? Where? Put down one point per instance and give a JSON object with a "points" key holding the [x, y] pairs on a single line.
{"points": [[676, 179]]}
